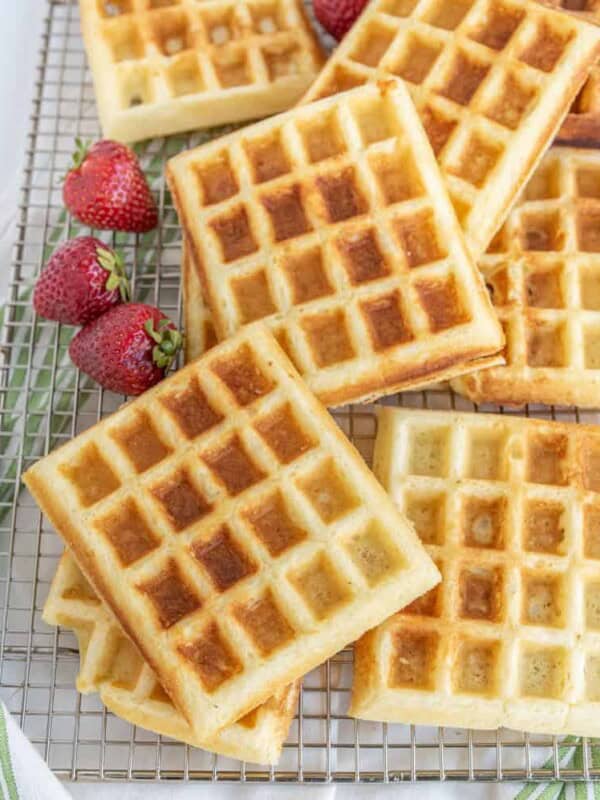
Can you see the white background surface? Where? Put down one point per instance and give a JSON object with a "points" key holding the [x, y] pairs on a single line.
{"points": [[20, 28], [400, 791]]}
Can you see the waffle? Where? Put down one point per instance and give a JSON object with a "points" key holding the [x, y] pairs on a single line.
{"points": [[164, 66], [111, 666], [233, 530], [200, 333], [543, 273], [509, 509], [491, 79], [332, 222]]}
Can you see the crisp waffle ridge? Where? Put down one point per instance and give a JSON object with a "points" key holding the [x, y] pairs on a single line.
{"points": [[332, 223], [509, 509], [582, 125], [233, 530], [111, 665], [165, 66], [543, 274], [491, 79], [199, 329]]}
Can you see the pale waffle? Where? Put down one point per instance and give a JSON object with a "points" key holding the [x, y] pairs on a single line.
{"points": [[491, 79], [543, 273], [233, 530], [332, 222], [164, 66], [509, 508], [111, 666]]}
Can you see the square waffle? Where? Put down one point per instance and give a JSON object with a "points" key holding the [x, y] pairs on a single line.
{"points": [[111, 666], [332, 223], [509, 508], [543, 273], [233, 530], [164, 66], [491, 79]]}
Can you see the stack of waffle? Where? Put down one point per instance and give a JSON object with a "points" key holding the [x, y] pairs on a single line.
{"points": [[223, 536], [235, 535]]}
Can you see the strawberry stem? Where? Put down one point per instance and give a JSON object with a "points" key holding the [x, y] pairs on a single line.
{"points": [[149, 328], [113, 263], [168, 342], [81, 151], [79, 155]]}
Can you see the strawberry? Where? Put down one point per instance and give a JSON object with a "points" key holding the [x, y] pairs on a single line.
{"points": [[338, 16], [106, 189], [82, 280], [128, 349]]}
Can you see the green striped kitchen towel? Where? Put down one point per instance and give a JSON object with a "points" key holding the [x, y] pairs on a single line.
{"points": [[570, 755], [23, 774]]}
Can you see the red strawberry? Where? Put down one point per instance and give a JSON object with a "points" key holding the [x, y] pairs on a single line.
{"points": [[338, 16], [82, 280], [128, 349], [107, 189]]}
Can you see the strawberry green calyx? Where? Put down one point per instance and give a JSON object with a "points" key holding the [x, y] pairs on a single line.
{"points": [[81, 151], [168, 342], [113, 263], [78, 157]]}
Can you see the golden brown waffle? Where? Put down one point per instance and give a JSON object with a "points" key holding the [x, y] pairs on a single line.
{"points": [[543, 273], [200, 333], [491, 79], [233, 530], [509, 509], [111, 666], [332, 222], [164, 66]]}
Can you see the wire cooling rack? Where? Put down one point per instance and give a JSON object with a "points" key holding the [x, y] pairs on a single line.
{"points": [[43, 401]]}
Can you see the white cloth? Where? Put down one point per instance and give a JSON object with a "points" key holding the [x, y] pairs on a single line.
{"points": [[23, 774]]}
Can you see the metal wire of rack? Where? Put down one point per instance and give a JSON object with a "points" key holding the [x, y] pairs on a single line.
{"points": [[43, 401]]}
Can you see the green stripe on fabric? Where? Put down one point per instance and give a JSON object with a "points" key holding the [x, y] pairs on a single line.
{"points": [[5, 762], [527, 791], [581, 791]]}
